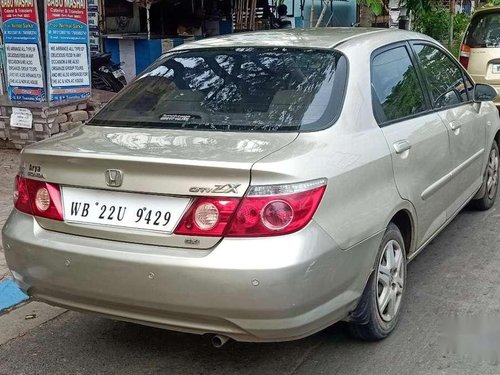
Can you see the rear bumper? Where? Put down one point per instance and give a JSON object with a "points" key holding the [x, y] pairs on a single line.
{"points": [[272, 289]]}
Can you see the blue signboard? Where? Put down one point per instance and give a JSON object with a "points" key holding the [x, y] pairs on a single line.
{"points": [[68, 57], [25, 80]]}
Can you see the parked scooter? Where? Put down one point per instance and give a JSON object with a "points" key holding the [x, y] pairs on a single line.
{"points": [[106, 75]]}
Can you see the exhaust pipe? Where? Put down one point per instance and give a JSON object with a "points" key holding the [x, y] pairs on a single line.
{"points": [[218, 341]]}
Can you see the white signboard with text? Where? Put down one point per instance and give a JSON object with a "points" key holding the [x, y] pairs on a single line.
{"points": [[21, 118], [69, 64]]}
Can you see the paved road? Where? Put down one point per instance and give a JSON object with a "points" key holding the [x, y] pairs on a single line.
{"points": [[457, 274]]}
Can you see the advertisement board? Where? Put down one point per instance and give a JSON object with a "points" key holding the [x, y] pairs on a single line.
{"points": [[21, 29], [68, 58]]}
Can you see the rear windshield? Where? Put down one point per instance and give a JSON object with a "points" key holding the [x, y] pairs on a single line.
{"points": [[236, 89], [484, 31]]}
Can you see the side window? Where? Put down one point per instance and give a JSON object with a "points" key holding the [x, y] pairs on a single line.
{"points": [[445, 78], [396, 91]]}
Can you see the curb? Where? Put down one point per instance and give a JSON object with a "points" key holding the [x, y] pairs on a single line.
{"points": [[10, 295]]}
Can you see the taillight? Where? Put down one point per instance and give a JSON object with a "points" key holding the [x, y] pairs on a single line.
{"points": [[464, 55], [269, 210], [38, 198], [276, 209], [21, 197], [207, 217]]}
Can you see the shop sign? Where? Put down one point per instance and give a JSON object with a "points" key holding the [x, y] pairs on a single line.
{"points": [[68, 59], [21, 30], [93, 14]]}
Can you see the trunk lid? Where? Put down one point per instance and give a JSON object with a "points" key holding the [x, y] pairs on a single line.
{"points": [[153, 162]]}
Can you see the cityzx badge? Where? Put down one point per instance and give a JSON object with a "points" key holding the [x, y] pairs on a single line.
{"points": [[217, 189]]}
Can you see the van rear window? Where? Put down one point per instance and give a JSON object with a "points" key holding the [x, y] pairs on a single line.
{"points": [[484, 31], [233, 89]]}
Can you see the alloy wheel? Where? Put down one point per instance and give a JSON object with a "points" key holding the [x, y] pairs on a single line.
{"points": [[390, 280]]}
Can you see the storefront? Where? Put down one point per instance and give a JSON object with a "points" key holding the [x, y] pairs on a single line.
{"points": [[137, 32], [48, 44], [46, 65]]}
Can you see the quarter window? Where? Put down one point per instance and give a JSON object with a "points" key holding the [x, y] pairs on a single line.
{"points": [[395, 87], [445, 78]]}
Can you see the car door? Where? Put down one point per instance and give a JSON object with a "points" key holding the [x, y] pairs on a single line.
{"points": [[451, 95], [416, 136]]}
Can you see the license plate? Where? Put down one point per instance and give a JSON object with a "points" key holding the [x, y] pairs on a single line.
{"points": [[496, 68], [128, 210], [118, 73]]}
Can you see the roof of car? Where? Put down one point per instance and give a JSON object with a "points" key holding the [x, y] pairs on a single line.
{"points": [[299, 38]]}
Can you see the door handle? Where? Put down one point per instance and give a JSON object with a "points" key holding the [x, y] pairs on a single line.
{"points": [[455, 125], [402, 146]]}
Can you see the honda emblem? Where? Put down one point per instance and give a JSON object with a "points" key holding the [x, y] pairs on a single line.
{"points": [[114, 177]]}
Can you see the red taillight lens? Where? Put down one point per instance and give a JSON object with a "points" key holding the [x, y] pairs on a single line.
{"points": [[207, 217], [464, 55], [21, 197], [275, 215], [38, 198], [265, 211]]}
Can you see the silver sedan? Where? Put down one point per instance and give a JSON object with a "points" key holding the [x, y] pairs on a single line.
{"points": [[259, 186]]}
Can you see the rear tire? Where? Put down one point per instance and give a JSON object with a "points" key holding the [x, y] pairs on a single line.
{"points": [[378, 310], [490, 181]]}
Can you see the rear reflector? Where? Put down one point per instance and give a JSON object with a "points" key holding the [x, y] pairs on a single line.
{"points": [[268, 210], [38, 198], [464, 55]]}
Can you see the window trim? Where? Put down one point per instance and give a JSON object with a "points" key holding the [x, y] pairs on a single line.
{"points": [[426, 83], [425, 93]]}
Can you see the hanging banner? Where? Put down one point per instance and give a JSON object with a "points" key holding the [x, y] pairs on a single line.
{"points": [[22, 50], [68, 59]]}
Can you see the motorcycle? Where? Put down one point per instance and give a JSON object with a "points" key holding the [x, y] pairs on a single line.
{"points": [[106, 75]]}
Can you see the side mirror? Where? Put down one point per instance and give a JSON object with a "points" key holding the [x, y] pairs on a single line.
{"points": [[484, 93]]}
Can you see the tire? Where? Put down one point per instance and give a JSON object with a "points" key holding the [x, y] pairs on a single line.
{"points": [[490, 181], [368, 321]]}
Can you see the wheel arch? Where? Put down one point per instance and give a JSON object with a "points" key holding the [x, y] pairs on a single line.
{"points": [[405, 222], [482, 190]]}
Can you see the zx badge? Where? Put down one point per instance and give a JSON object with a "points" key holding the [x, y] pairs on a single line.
{"points": [[217, 189]]}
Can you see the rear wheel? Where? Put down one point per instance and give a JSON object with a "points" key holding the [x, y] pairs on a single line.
{"points": [[490, 181], [378, 311]]}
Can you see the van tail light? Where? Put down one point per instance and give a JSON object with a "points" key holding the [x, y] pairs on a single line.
{"points": [[269, 210], [464, 55], [38, 198]]}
